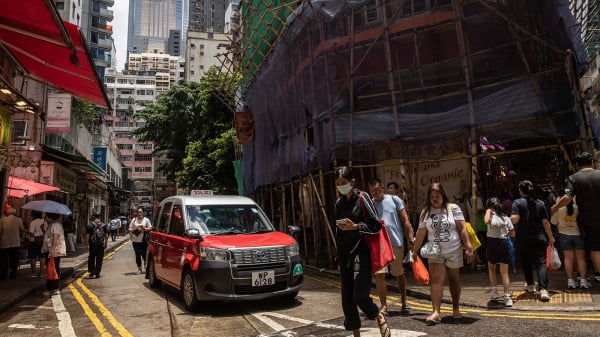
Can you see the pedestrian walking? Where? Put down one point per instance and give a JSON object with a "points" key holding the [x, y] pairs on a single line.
{"points": [[499, 228], [585, 185], [70, 228], [571, 243], [353, 254], [37, 228], [115, 226], [96, 239], [55, 246], [443, 223], [532, 235], [138, 227], [11, 227], [390, 209]]}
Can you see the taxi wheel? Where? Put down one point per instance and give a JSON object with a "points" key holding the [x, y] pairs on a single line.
{"points": [[188, 291], [152, 280]]}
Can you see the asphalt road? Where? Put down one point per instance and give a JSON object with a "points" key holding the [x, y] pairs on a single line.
{"points": [[121, 303]]}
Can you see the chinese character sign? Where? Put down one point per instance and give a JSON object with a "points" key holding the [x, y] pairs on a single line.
{"points": [[100, 157]]}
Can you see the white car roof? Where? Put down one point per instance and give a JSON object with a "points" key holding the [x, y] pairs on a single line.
{"points": [[209, 200]]}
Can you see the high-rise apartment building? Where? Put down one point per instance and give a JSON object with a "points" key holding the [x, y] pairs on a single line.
{"points": [[150, 23], [201, 53], [207, 15], [96, 26]]}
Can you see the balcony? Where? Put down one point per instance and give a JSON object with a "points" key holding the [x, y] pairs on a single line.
{"points": [[106, 13]]}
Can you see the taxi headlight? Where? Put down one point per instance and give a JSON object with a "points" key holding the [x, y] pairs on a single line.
{"points": [[292, 250], [214, 254]]}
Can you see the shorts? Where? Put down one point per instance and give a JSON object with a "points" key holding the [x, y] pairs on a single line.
{"points": [[396, 267], [570, 242], [453, 259], [34, 251], [497, 251], [592, 238]]}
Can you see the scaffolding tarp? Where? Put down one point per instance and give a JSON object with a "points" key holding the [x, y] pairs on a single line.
{"points": [[346, 74]]}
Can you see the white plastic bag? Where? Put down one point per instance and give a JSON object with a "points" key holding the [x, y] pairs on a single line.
{"points": [[408, 258], [552, 258]]}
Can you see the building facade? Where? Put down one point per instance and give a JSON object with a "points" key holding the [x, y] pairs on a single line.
{"points": [[96, 26], [150, 23], [201, 50]]}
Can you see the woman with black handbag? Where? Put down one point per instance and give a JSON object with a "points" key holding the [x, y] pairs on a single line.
{"points": [[353, 254]]}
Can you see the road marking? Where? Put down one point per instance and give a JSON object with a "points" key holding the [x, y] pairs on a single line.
{"points": [[64, 319], [281, 330], [103, 310], [447, 308], [89, 312], [28, 327]]}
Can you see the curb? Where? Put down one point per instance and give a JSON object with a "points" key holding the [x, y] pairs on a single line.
{"points": [[65, 272]]}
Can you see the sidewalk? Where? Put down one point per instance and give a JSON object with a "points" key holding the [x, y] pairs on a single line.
{"points": [[476, 293], [15, 290]]}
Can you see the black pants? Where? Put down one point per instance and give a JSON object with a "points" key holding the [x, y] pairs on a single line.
{"points": [[532, 253], [54, 284], [95, 260], [9, 260], [113, 234], [140, 252], [356, 291]]}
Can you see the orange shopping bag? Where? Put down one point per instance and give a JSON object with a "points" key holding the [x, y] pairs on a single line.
{"points": [[420, 271], [51, 273]]}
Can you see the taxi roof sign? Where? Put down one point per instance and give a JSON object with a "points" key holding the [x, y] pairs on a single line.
{"points": [[201, 193]]}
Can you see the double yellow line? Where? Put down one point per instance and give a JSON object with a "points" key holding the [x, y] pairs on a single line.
{"points": [[425, 307], [122, 331]]}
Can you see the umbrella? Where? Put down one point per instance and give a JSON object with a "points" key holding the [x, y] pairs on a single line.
{"points": [[47, 206]]}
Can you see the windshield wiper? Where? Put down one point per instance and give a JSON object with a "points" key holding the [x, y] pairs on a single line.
{"points": [[261, 231]]}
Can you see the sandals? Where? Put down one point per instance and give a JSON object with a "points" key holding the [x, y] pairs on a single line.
{"points": [[384, 329], [433, 321], [405, 309]]}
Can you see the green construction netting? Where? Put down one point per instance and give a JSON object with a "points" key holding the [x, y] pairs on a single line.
{"points": [[264, 20]]}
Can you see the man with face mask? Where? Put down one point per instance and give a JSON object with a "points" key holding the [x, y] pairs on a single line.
{"points": [[390, 209]]}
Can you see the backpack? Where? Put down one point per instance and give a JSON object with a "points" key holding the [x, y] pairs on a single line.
{"points": [[97, 236]]}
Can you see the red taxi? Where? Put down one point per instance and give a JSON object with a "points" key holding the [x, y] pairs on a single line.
{"points": [[221, 248]]}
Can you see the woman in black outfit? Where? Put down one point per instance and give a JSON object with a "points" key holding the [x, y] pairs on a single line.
{"points": [[353, 254]]}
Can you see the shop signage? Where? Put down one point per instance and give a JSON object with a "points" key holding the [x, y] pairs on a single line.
{"points": [[58, 118]]}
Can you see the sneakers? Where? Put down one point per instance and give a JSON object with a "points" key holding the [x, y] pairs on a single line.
{"points": [[544, 295], [571, 284], [597, 277], [530, 288], [584, 284], [494, 295], [140, 270], [54, 292], [508, 302]]}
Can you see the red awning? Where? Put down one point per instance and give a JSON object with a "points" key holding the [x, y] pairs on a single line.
{"points": [[50, 49], [18, 187]]}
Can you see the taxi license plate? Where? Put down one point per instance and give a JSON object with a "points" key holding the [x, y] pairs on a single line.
{"points": [[263, 278]]}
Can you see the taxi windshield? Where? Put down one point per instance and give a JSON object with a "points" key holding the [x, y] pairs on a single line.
{"points": [[227, 219]]}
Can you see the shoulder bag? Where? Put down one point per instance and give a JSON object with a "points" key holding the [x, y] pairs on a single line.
{"points": [[379, 244]]}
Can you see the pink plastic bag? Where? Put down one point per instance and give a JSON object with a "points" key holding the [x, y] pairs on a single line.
{"points": [[552, 259]]}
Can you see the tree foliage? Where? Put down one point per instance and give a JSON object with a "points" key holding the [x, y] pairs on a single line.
{"points": [[191, 126], [85, 113]]}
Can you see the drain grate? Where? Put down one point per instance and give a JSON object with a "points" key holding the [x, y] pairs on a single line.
{"points": [[555, 297]]}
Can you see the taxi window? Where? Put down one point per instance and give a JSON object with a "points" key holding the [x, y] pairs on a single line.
{"points": [[177, 227], [163, 222]]}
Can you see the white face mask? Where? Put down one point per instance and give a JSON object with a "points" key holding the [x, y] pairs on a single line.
{"points": [[345, 189]]}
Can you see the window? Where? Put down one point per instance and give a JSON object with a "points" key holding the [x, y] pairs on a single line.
{"points": [[163, 221], [19, 132]]}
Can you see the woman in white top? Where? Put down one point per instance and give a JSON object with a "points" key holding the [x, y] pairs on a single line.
{"points": [[499, 227], [55, 246], [571, 243], [137, 227], [444, 223]]}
